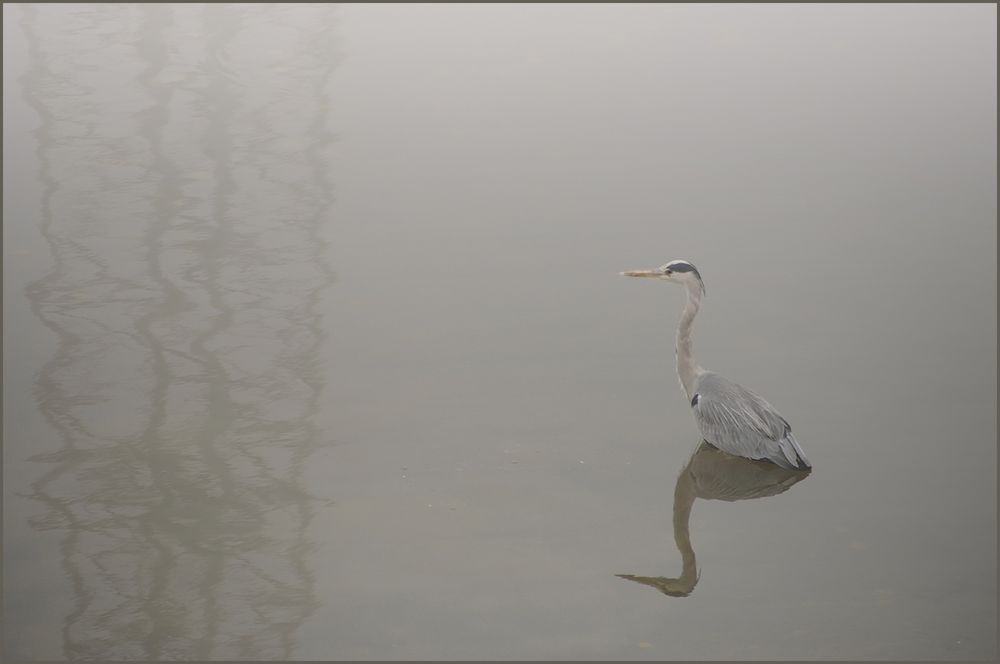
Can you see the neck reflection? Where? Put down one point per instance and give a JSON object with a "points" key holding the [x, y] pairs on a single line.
{"points": [[712, 474]]}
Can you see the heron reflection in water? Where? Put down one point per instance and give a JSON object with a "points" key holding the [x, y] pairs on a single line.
{"points": [[712, 474], [730, 416]]}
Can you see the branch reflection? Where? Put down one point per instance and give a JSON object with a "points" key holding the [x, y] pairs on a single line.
{"points": [[712, 474], [184, 186]]}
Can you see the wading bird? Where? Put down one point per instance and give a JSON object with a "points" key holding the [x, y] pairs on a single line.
{"points": [[730, 417]]}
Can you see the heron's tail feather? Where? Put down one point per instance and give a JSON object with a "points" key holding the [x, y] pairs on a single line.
{"points": [[793, 453]]}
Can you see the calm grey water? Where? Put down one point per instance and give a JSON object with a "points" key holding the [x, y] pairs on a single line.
{"points": [[315, 347]]}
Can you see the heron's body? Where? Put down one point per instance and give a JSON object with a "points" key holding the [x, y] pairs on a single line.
{"points": [[737, 421], [730, 417]]}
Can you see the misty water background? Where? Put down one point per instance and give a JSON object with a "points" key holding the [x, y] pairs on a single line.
{"points": [[315, 347]]}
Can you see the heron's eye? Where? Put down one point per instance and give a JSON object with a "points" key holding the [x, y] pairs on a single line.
{"points": [[668, 272]]}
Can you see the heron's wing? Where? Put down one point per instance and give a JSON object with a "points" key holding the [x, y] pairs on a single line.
{"points": [[736, 420]]}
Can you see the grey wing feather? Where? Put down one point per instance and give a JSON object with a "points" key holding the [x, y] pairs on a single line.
{"points": [[737, 421]]}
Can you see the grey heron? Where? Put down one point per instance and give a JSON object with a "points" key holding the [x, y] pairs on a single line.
{"points": [[729, 416]]}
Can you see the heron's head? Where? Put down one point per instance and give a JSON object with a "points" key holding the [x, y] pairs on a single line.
{"points": [[679, 272]]}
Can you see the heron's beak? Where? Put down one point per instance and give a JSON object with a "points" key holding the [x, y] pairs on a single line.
{"points": [[642, 273]]}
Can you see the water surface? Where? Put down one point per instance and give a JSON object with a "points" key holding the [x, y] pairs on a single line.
{"points": [[315, 348]]}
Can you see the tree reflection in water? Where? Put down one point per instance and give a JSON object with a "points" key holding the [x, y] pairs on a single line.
{"points": [[184, 188]]}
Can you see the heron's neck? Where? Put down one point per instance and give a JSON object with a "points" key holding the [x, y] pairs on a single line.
{"points": [[687, 367]]}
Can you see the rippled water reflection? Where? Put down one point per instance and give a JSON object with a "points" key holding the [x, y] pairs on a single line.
{"points": [[181, 208]]}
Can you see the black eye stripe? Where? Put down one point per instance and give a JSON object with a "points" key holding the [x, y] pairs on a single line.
{"points": [[682, 267]]}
